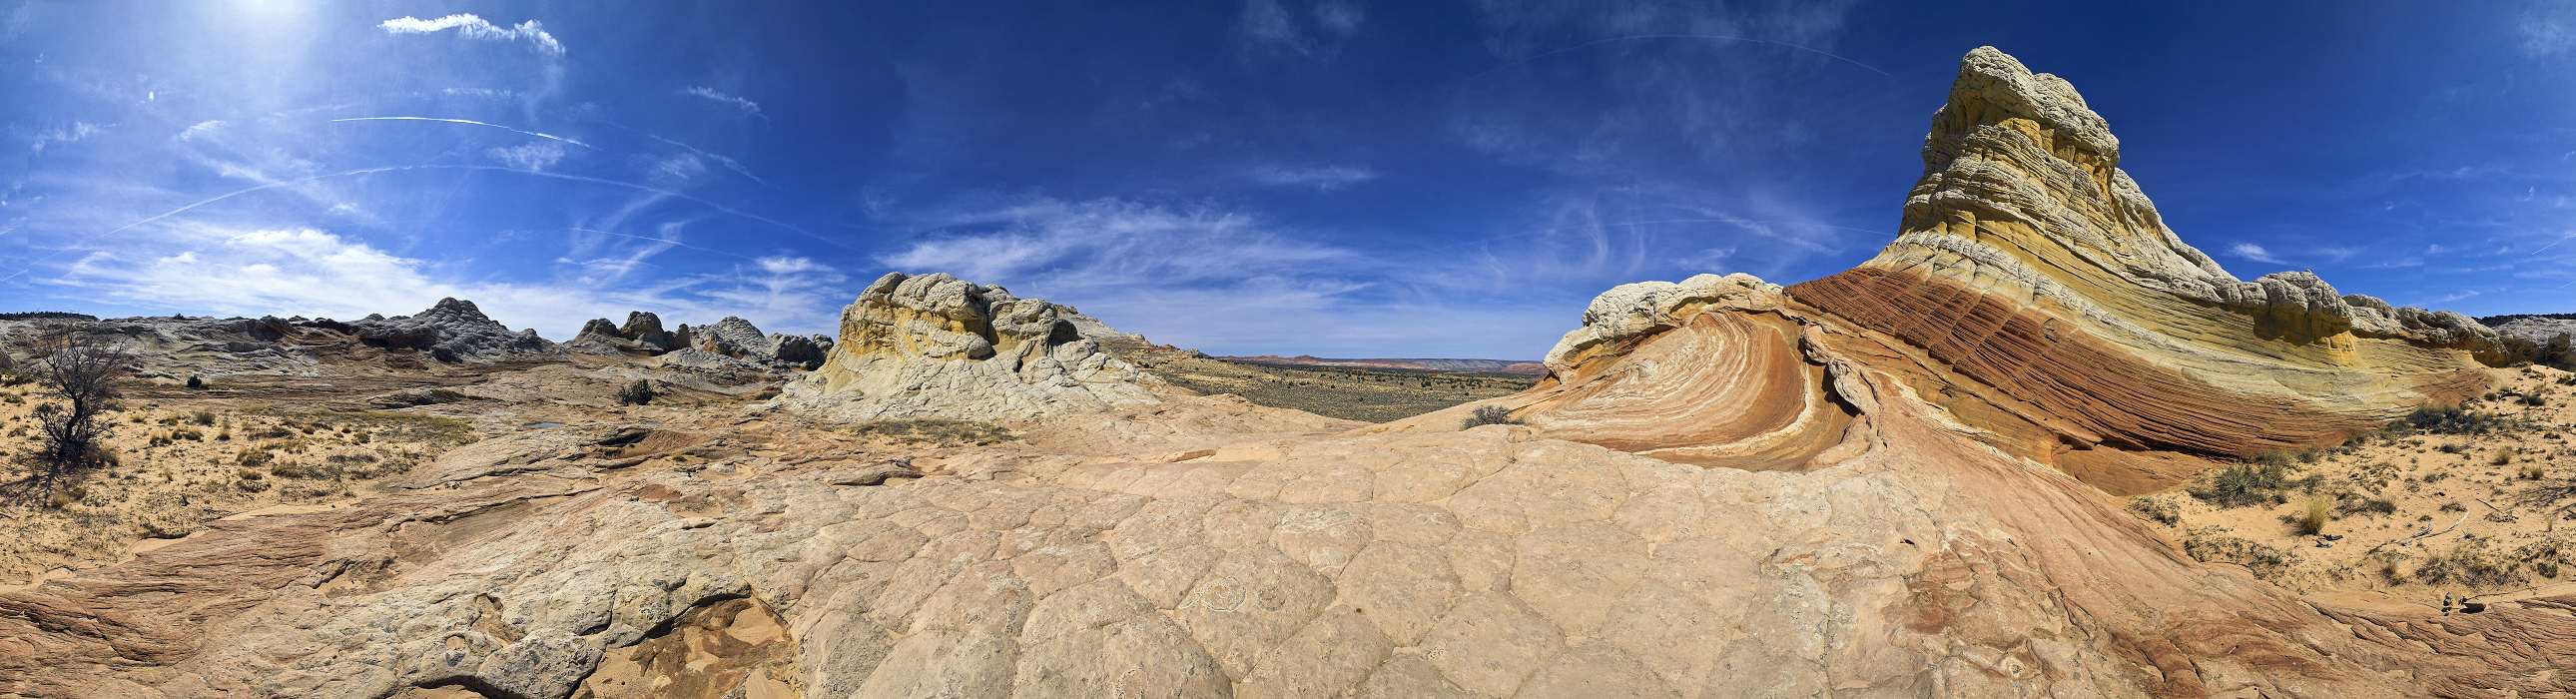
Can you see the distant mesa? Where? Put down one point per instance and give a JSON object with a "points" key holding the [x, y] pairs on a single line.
{"points": [[935, 345], [1477, 366]]}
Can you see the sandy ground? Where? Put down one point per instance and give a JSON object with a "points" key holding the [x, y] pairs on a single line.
{"points": [[2426, 517], [184, 462]]}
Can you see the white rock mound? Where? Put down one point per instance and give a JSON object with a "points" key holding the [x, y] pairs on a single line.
{"points": [[938, 346]]}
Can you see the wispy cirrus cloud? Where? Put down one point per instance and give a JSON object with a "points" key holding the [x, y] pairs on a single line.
{"points": [[1275, 27], [2547, 29], [1321, 177], [533, 155], [202, 129], [710, 94], [475, 27], [2256, 253], [74, 132]]}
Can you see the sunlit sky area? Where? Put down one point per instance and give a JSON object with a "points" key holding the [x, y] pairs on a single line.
{"points": [[1339, 178]]}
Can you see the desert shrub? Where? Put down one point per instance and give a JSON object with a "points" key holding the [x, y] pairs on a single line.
{"points": [[253, 458], [2446, 420], [638, 393], [188, 433], [2216, 545], [2534, 400], [2365, 506], [81, 375], [2531, 472], [202, 418], [293, 469], [2471, 563], [1488, 415], [938, 431], [2313, 514], [2504, 456], [195, 382], [2259, 482], [2156, 510]]}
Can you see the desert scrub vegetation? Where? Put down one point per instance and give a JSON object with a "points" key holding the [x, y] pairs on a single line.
{"points": [[2448, 420], [638, 393], [2158, 510], [2477, 563], [80, 375], [2265, 480], [2215, 544], [2313, 515], [933, 431], [1488, 415]]}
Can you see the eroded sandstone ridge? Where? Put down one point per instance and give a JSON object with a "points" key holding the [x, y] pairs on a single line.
{"points": [[936, 345]]}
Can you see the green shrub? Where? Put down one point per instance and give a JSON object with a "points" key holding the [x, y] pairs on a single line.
{"points": [[2448, 421], [2156, 510], [638, 393], [2259, 482], [1488, 415]]}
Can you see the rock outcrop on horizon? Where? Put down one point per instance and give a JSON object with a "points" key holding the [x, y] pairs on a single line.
{"points": [[641, 334], [453, 330], [936, 345]]}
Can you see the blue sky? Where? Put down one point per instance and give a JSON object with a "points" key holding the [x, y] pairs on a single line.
{"points": [[1258, 176]]}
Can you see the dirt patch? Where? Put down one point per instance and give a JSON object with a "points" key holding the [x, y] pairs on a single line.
{"points": [[732, 648]]}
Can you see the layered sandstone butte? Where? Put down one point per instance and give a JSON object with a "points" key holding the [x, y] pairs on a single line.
{"points": [[935, 345], [2035, 285]]}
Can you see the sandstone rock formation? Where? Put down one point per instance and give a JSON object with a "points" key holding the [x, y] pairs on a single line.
{"points": [[936, 345], [452, 330], [732, 337], [2033, 266], [642, 334]]}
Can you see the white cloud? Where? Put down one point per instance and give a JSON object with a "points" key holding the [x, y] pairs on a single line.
{"points": [[2256, 253], [74, 132], [473, 27], [201, 129], [311, 272], [1270, 26], [710, 94], [534, 155], [1326, 177]]}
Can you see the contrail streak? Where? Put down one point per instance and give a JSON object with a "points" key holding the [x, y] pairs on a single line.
{"points": [[470, 122]]}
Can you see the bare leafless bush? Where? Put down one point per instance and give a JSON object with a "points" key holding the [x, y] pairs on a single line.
{"points": [[80, 375]]}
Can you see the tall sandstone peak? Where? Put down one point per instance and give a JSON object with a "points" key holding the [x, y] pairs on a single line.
{"points": [[2031, 265], [936, 345], [2034, 287]]}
